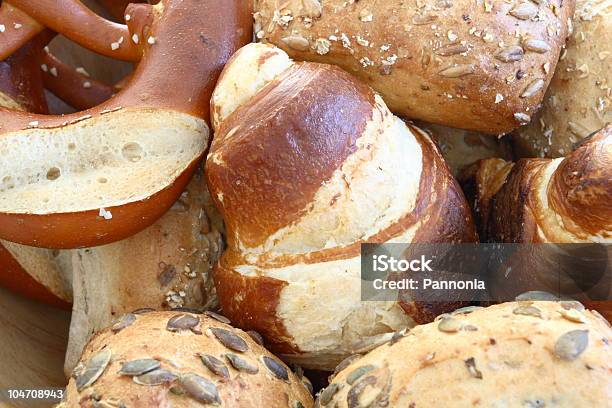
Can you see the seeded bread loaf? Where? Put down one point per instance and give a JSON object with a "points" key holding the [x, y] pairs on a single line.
{"points": [[307, 163], [167, 265], [462, 148], [474, 65], [527, 354], [178, 359], [578, 101]]}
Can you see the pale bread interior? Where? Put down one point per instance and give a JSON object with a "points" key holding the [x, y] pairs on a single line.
{"points": [[105, 161]]}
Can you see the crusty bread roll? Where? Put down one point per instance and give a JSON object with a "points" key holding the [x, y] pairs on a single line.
{"points": [[307, 164], [518, 354], [178, 359], [473, 65], [578, 101], [564, 200], [165, 266], [558, 201], [462, 148]]}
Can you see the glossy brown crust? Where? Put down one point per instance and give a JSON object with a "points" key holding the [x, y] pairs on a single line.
{"points": [[297, 131], [251, 302], [77, 22], [77, 90], [14, 278], [20, 77], [432, 61], [117, 7], [15, 38], [192, 42], [581, 187]]}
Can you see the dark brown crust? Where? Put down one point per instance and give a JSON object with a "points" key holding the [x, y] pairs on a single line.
{"points": [[581, 187], [77, 90], [255, 308], [296, 132], [193, 40], [12, 39], [17, 280], [20, 77]]}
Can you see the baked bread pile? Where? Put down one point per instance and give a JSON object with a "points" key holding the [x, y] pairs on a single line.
{"points": [[168, 167]]}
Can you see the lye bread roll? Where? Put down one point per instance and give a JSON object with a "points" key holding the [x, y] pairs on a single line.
{"points": [[517, 354], [480, 66], [167, 265], [307, 163], [180, 360], [578, 100]]}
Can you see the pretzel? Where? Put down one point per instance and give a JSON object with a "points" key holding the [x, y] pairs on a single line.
{"points": [[103, 174]]}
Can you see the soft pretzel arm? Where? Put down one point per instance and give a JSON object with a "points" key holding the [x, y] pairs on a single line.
{"points": [[132, 156], [16, 29], [77, 22], [75, 88]]}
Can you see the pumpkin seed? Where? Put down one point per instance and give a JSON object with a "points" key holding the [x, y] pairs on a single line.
{"points": [[182, 322], [298, 404], [524, 11], [528, 311], [215, 365], [94, 368], [466, 310], [536, 295], [200, 389], [534, 403], [522, 118], [125, 321], [458, 71], [241, 364], [296, 42], [450, 325], [533, 88], [358, 373], [229, 339], [363, 393], [143, 310], [510, 54], [276, 368], [535, 45], [326, 395], [451, 49], [571, 344], [306, 382], [139, 367], [572, 304], [470, 363], [217, 317], [345, 363], [256, 337], [155, 377]]}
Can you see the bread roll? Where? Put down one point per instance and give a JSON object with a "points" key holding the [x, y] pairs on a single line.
{"points": [[578, 100], [165, 266], [179, 360], [307, 164], [480, 66], [518, 354]]}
